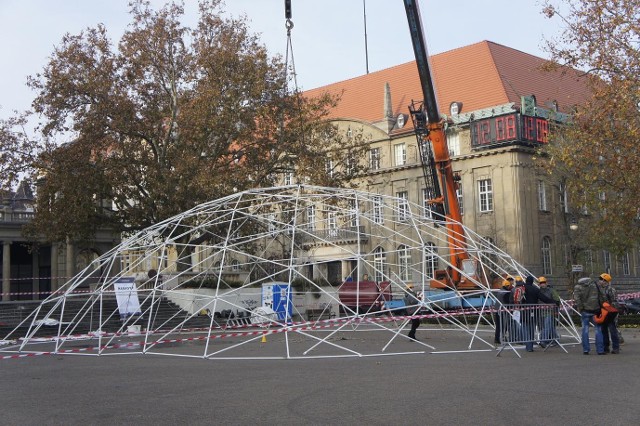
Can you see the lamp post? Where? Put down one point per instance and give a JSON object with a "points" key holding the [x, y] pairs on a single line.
{"points": [[573, 250]]}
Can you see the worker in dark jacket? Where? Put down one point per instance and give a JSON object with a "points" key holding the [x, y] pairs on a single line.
{"points": [[503, 297], [532, 296], [412, 306], [585, 296], [549, 333]]}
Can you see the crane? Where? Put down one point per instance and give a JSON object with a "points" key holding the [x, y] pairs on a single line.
{"points": [[440, 180]]}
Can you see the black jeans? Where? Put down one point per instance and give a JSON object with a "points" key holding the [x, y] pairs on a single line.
{"points": [[415, 323]]}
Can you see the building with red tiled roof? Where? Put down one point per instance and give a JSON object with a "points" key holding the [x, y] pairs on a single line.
{"points": [[481, 76], [505, 103]]}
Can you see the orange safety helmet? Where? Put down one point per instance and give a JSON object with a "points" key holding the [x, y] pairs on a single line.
{"points": [[542, 280], [605, 277]]}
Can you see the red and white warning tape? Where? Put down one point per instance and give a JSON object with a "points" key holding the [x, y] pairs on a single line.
{"points": [[291, 327]]}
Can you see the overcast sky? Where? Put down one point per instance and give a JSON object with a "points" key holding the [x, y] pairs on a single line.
{"points": [[328, 35]]}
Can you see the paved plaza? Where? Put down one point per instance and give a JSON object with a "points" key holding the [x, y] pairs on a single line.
{"points": [[549, 387]]}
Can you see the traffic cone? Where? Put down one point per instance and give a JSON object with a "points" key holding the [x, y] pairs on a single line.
{"points": [[264, 338]]}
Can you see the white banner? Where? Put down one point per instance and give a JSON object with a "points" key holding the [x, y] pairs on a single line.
{"points": [[127, 296]]}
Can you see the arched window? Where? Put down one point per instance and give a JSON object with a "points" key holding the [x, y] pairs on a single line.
{"points": [[546, 255], [404, 256], [235, 265], [379, 261], [430, 259]]}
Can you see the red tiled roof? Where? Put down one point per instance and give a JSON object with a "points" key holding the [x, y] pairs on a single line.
{"points": [[481, 75]]}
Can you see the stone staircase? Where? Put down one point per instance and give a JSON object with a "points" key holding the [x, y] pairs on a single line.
{"points": [[82, 315]]}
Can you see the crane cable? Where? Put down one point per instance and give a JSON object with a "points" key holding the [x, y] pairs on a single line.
{"points": [[289, 50], [289, 26]]}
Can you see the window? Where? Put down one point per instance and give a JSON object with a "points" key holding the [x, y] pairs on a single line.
{"points": [[377, 209], [288, 178], [602, 196], [546, 256], [403, 206], [542, 196], [625, 264], [135, 260], [198, 256], [489, 254], [271, 218], [607, 261], [427, 207], [589, 259], [311, 218], [332, 223], [235, 265], [352, 164], [353, 214], [403, 262], [564, 201], [374, 158], [485, 195], [453, 142], [328, 166], [430, 259], [459, 197], [400, 154], [379, 261]]}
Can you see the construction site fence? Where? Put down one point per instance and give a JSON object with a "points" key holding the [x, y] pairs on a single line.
{"points": [[520, 324]]}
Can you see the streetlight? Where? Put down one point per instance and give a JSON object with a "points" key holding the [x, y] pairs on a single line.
{"points": [[573, 225], [573, 249]]}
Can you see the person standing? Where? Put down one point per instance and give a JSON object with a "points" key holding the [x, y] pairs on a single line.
{"points": [[585, 296], [610, 335], [548, 328], [532, 296], [412, 305], [516, 299], [503, 297]]}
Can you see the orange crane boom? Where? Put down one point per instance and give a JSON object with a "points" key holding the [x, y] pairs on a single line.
{"points": [[434, 154]]}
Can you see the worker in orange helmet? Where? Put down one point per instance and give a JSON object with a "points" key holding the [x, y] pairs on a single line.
{"points": [[549, 334], [610, 335]]}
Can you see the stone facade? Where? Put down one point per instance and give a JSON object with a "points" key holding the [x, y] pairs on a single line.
{"points": [[527, 216], [34, 272]]}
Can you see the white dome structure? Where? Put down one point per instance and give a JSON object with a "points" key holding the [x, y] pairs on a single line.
{"points": [[287, 272]]}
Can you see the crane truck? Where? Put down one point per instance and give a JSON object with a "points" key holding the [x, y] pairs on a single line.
{"points": [[440, 180]]}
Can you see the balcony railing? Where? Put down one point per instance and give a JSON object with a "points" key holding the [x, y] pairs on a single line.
{"points": [[13, 216], [346, 235]]}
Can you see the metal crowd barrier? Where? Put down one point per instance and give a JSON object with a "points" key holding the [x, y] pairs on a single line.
{"points": [[520, 324]]}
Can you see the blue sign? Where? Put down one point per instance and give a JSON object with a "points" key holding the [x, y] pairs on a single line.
{"points": [[278, 296]]}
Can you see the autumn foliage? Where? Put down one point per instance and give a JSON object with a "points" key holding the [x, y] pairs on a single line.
{"points": [[169, 117], [598, 151]]}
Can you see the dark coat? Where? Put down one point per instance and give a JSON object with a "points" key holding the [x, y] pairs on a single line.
{"points": [[532, 295]]}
